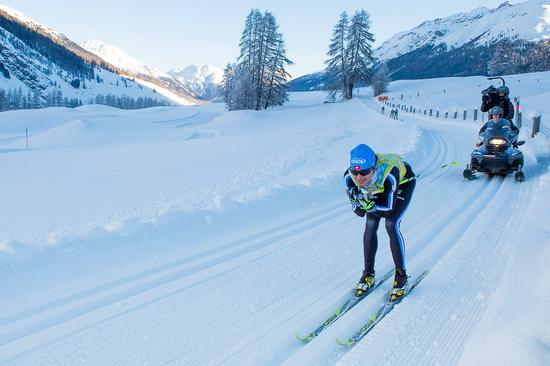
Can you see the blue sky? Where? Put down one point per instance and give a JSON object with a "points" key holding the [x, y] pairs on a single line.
{"points": [[171, 33]]}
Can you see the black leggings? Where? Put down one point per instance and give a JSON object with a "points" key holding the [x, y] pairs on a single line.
{"points": [[393, 220]]}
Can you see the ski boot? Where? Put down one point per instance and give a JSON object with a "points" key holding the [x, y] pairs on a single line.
{"points": [[365, 283], [400, 286]]}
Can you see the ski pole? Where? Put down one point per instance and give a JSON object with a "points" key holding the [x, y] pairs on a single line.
{"points": [[430, 172]]}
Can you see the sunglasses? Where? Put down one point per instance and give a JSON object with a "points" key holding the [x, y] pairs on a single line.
{"points": [[364, 172]]}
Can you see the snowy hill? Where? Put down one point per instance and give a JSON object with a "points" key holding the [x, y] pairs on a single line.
{"points": [[528, 21], [39, 66], [196, 236], [204, 80]]}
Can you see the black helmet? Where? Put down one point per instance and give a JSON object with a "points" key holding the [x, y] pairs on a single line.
{"points": [[503, 90], [496, 110]]}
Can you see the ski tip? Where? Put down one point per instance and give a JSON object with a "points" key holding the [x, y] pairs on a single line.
{"points": [[346, 342]]}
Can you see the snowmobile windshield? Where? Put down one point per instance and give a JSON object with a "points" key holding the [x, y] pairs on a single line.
{"points": [[498, 128]]}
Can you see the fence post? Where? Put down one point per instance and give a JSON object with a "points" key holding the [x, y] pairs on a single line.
{"points": [[446, 115], [475, 114], [536, 126], [27, 136], [425, 112], [464, 118], [437, 114], [519, 120], [430, 112], [456, 114], [518, 115]]}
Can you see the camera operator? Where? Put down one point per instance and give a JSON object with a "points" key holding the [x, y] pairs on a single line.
{"points": [[493, 97]]}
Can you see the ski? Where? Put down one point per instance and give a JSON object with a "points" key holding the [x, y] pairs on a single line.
{"points": [[347, 306], [379, 315]]}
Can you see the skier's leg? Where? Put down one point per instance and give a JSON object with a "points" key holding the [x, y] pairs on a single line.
{"points": [[393, 221], [370, 242]]}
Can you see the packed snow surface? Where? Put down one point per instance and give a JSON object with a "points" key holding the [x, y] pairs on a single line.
{"points": [[196, 236]]}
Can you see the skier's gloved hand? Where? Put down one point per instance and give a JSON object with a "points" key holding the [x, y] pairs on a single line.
{"points": [[368, 205]]}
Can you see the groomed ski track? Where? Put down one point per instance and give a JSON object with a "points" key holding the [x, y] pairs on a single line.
{"points": [[289, 275]]}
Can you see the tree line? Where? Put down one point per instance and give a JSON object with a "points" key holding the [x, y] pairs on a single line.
{"points": [[16, 98]]}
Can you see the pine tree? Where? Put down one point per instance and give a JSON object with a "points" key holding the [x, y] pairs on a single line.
{"points": [[258, 78], [336, 64], [380, 80], [359, 52]]}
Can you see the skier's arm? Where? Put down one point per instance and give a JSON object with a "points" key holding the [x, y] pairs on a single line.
{"points": [[352, 190]]}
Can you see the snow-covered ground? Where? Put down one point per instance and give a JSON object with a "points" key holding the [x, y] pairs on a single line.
{"points": [[193, 236]]}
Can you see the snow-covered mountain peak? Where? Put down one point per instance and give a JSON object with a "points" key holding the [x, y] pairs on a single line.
{"points": [[121, 59], [203, 79], [482, 25], [199, 73]]}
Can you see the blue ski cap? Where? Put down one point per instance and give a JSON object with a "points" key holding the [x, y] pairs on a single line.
{"points": [[362, 157]]}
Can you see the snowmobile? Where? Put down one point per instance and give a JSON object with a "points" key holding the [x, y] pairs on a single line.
{"points": [[497, 153]]}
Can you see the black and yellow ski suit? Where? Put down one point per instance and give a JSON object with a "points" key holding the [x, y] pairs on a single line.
{"points": [[391, 193]]}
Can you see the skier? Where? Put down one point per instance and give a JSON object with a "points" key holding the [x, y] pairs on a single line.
{"points": [[492, 98], [380, 186]]}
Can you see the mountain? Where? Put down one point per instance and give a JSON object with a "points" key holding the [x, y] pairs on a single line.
{"points": [[130, 65], [316, 81], [204, 80], [505, 40], [41, 67], [529, 21]]}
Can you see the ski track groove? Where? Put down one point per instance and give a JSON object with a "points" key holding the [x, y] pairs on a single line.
{"points": [[484, 263], [197, 340], [497, 248], [266, 239], [444, 303]]}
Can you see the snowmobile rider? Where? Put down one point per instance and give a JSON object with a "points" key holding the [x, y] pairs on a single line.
{"points": [[495, 117], [380, 186], [498, 97]]}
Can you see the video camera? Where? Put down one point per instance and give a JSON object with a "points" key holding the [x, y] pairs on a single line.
{"points": [[489, 95]]}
